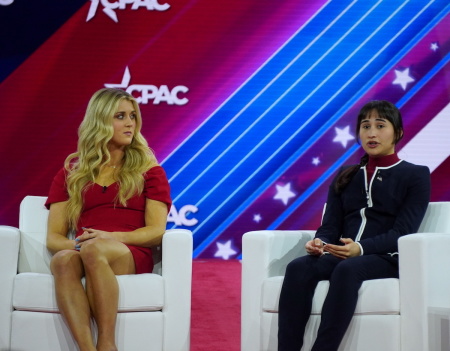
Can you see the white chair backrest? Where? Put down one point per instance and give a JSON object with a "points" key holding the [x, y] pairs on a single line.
{"points": [[33, 255], [437, 218]]}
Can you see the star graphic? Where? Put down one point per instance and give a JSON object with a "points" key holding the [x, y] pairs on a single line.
{"points": [[403, 78], [284, 193], [343, 136], [434, 46], [315, 161], [125, 81], [257, 218], [224, 250]]}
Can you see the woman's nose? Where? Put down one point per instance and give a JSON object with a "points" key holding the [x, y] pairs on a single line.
{"points": [[129, 121], [371, 133]]}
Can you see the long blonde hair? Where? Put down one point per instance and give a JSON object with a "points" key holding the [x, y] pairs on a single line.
{"points": [[94, 133]]}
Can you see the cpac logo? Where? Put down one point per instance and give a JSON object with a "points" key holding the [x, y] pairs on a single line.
{"points": [[152, 92], [180, 217], [109, 7]]}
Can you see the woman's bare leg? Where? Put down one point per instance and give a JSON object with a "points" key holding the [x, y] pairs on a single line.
{"points": [[102, 260], [73, 304]]}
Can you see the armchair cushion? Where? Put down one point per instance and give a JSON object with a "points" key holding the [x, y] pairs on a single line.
{"points": [[369, 301], [36, 292]]}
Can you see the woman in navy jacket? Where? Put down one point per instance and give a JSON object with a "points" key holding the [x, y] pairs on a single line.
{"points": [[369, 207]]}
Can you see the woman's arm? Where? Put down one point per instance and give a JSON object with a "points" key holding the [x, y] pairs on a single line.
{"points": [[332, 221], [57, 229], [148, 236]]}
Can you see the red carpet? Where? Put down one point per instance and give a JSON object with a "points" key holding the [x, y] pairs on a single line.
{"points": [[216, 305]]}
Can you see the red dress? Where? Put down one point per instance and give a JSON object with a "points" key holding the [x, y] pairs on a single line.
{"points": [[100, 211]]}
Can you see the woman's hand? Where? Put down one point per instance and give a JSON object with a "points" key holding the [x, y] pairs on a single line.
{"points": [[91, 234], [314, 247], [350, 249]]}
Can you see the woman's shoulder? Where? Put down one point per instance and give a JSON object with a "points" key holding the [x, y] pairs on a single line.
{"points": [[66, 169], [157, 185], [405, 165], [156, 170], [407, 170], [155, 174], [61, 174]]}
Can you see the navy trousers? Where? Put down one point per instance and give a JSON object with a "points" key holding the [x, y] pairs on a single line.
{"points": [[345, 276]]}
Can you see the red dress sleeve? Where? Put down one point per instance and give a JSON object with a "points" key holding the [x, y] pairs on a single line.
{"points": [[157, 186], [58, 189]]}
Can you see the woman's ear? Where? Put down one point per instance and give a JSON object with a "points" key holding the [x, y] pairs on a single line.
{"points": [[400, 136]]}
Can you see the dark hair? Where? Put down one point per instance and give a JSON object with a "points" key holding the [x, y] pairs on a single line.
{"points": [[386, 110]]}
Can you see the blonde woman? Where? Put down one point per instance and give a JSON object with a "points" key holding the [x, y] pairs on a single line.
{"points": [[113, 194]]}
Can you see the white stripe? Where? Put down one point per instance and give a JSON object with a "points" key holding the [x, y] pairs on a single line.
{"points": [[363, 224], [302, 102], [290, 114], [273, 105], [431, 146], [259, 94]]}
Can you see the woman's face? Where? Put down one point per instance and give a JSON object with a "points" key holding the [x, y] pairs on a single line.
{"points": [[124, 124], [377, 135]]}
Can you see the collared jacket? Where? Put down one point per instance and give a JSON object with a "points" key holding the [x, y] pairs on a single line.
{"points": [[378, 213]]}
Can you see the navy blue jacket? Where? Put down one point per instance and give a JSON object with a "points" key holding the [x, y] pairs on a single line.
{"points": [[377, 214]]}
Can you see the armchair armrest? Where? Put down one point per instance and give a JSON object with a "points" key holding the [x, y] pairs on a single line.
{"points": [[177, 248], [424, 290], [265, 253], [9, 252]]}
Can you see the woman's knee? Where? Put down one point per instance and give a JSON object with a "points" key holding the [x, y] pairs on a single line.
{"points": [[300, 267], [65, 262], [92, 252], [294, 266], [346, 269], [98, 253]]}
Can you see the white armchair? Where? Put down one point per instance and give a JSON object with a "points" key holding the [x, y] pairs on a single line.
{"points": [[154, 308], [409, 314]]}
